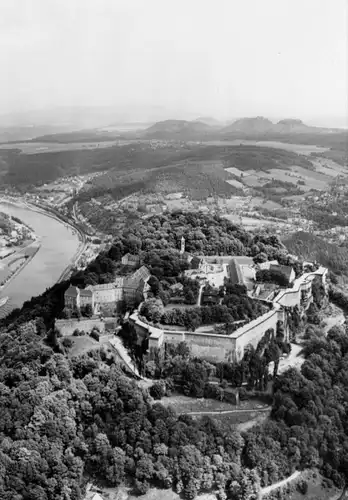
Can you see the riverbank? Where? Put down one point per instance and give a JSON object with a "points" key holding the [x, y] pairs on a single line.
{"points": [[17, 256], [54, 214], [61, 244], [82, 237]]}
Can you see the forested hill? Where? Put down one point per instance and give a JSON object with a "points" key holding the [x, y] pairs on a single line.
{"points": [[63, 420], [157, 241], [312, 248]]}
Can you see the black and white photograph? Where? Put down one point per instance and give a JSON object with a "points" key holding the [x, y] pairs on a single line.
{"points": [[174, 250]]}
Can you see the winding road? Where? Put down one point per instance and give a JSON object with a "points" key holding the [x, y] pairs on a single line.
{"points": [[279, 484]]}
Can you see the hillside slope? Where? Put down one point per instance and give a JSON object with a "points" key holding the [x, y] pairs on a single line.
{"points": [[310, 247], [177, 130], [197, 171], [257, 125]]}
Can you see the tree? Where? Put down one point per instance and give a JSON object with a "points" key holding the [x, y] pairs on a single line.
{"points": [[154, 285], [158, 389], [87, 311], [95, 335], [67, 342], [152, 309]]}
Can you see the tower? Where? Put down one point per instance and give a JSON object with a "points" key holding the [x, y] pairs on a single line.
{"points": [[182, 247]]}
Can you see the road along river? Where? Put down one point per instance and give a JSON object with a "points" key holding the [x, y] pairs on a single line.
{"points": [[59, 245]]}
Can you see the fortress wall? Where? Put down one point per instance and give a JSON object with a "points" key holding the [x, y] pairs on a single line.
{"points": [[289, 299], [255, 332], [211, 347], [67, 326], [292, 296]]}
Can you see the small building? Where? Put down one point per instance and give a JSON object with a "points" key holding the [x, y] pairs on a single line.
{"points": [[235, 272], [86, 298], [266, 265], [72, 297], [103, 294], [210, 298], [141, 274], [199, 264], [177, 287], [130, 260], [288, 272]]}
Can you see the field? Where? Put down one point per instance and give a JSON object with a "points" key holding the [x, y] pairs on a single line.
{"points": [[267, 204], [329, 167], [236, 184], [254, 223], [303, 149], [311, 179]]}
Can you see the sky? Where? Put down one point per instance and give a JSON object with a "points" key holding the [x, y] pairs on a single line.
{"points": [[223, 58]]}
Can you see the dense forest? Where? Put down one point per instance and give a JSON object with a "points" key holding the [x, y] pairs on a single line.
{"points": [[157, 241], [65, 420], [122, 162], [311, 247]]}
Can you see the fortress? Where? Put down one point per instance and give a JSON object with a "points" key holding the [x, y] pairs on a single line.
{"points": [[215, 347], [106, 298]]}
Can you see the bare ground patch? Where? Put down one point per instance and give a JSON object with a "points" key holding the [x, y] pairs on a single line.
{"points": [[81, 345], [241, 421], [183, 404]]}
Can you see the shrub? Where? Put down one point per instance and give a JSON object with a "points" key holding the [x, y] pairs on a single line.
{"points": [[158, 390], [67, 342], [76, 332], [243, 395], [94, 335], [302, 486], [210, 391]]}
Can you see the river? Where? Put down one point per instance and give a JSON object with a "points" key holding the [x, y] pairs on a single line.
{"points": [[59, 244]]}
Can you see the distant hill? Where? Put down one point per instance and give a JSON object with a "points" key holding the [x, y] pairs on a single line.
{"points": [[257, 125], [266, 129], [177, 129], [209, 120], [295, 126], [25, 133], [78, 136]]}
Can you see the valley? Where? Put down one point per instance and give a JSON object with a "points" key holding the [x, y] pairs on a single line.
{"points": [[263, 194]]}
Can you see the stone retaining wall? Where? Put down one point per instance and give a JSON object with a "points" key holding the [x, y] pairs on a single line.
{"points": [[67, 326]]}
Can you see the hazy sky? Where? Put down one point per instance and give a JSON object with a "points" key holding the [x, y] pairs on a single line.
{"points": [[223, 57]]}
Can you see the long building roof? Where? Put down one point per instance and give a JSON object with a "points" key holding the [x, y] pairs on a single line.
{"points": [[235, 272]]}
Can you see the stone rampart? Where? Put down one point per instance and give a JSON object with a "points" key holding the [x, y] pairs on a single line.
{"points": [[68, 326], [214, 347]]}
